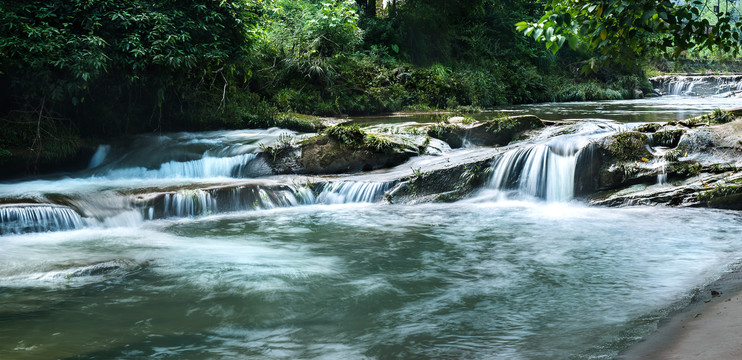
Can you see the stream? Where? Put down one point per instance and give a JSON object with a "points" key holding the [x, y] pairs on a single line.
{"points": [[176, 247]]}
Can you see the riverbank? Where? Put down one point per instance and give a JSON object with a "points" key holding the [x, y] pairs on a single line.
{"points": [[708, 328]]}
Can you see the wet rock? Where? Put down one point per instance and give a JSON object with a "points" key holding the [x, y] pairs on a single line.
{"points": [[495, 132], [325, 155], [627, 146], [666, 137]]}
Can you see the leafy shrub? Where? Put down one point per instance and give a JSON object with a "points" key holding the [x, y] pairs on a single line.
{"points": [[348, 135]]}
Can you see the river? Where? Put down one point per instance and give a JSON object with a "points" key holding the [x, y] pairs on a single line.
{"points": [[340, 274]]}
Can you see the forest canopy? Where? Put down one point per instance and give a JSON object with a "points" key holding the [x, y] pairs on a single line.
{"points": [[77, 69]]}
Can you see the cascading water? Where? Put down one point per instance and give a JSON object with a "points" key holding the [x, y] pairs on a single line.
{"points": [[697, 84], [542, 170], [185, 155], [352, 192], [190, 203], [25, 218], [206, 167], [546, 169]]}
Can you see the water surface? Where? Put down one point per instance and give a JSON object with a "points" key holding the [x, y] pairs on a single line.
{"points": [[468, 280]]}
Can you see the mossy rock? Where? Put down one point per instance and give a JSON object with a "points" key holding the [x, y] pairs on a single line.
{"points": [[495, 132], [723, 197], [451, 134], [649, 128], [323, 154], [684, 169], [667, 138], [502, 131], [628, 146]]}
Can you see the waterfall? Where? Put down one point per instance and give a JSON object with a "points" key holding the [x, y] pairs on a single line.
{"points": [[186, 203], [538, 170], [205, 167], [697, 84], [25, 218], [189, 203], [352, 192], [199, 202], [100, 155], [548, 169]]}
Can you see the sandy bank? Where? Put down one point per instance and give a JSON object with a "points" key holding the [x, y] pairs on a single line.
{"points": [[711, 328]]}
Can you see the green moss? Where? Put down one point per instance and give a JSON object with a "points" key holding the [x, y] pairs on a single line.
{"points": [[722, 168], [353, 137], [685, 168], [629, 146], [667, 138], [721, 191], [446, 132], [290, 121], [347, 135], [512, 125]]}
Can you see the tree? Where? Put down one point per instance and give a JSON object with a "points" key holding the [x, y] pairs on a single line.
{"points": [[622, 30], [61, 53]]}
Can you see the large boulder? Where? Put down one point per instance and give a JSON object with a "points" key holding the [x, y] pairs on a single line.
{"points": [[339, 149], [323, 154], [495, 132]]}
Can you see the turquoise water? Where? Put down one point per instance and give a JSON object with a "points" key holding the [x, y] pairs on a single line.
{"points": [[333, 272], [475, 279]]}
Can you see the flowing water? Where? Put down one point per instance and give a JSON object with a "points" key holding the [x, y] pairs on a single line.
{"points": [[179, 247]]}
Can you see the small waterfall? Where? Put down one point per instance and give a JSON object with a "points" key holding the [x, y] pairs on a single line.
{"points": [[548, 169], [186, 203], [205, 167], [540, 170], [352, 192], [100, 155], [198, 202], [189, 203], [26, 218], [697, 84], [662, 176]]}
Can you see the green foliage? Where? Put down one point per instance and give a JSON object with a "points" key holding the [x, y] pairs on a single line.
{"points": [[623, 31], [685, 168], [474, 175], [721, 117], [347, 135], [126, 59], [353, 137]]}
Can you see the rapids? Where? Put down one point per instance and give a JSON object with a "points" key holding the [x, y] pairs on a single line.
{"points": [[180, 246]]}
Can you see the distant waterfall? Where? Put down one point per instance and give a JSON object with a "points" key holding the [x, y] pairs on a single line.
{"points": [[26, 218], [697, 84]]}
